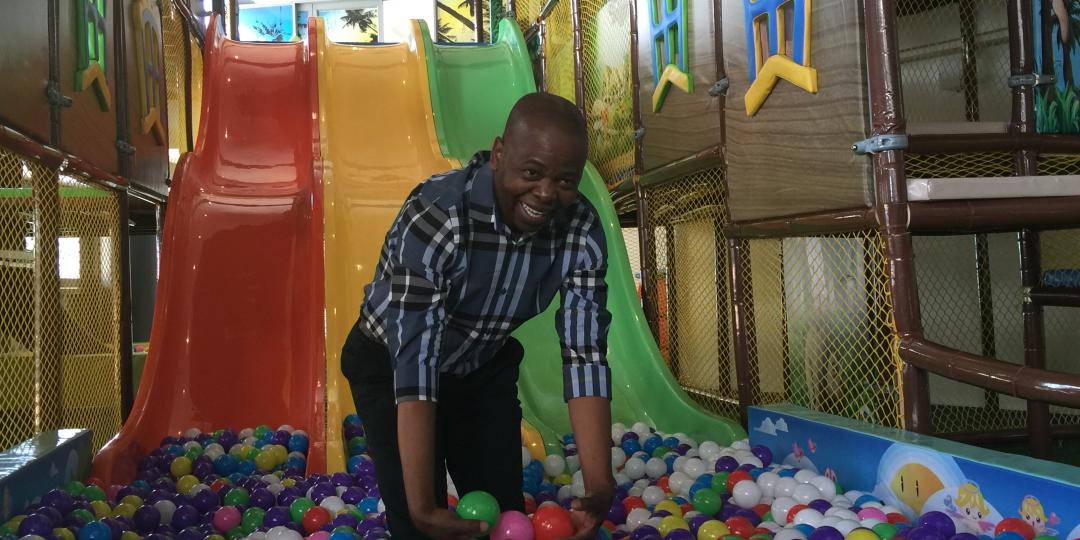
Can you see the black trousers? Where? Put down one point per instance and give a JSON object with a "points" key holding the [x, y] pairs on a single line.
{"points": [[477, 428]]}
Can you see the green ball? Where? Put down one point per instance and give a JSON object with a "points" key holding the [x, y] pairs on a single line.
{"points": [[5, 530], [1045, 537], [261, 431], [761, 536], [659, 451], [94, 493], [298, 508], [719, 482], [74, 488], [357, 445], [237, 496], [193, 454], [236, 533], [885, 530], [345, 529], [733, 537], [707, 501], [767, 516], [252, 518], [479, 505], [85, 515]]}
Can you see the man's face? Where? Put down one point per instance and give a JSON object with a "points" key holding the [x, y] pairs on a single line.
{"points": [[536, 176]]}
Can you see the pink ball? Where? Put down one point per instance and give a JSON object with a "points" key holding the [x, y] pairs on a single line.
{"points": [[872, 513], [226, 518], [512, 525], [318, 535], [112, 491]]}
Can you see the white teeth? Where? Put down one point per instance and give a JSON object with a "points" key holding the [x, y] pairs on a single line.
{"points": [[530, 211]]}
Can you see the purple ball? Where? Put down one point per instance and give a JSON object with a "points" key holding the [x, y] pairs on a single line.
{"points": [[53, 514], [617, 513], [345, 520], [206, 500], [322, 491], [59, 500], [680, 534], [295, 526], [278, 515], [146, 518], [661, 514], [280, 437], [644, 532], [826, 533], [366, 469], [727, 511], [341, 479], [821, 505], [938, 521], [375, 534], [190, 533], [629, 436], [696, 521], [38, 524], [185, 516], [682, 449], [726, 464], [262, 498], [763, 453], [352, 495], [165, 530], [964, 536], [746, 467], [353, 431], [924, 532]]}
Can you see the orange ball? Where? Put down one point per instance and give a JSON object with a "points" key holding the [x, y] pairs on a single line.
{"points": [[632, 502], [662, 483], [608, 525], [551, 523], [741, 526], [896, 517], [795, 510], [216, 485], [735, 478], [1015, 525], [762, 509], [315, 518], [530, 505]]}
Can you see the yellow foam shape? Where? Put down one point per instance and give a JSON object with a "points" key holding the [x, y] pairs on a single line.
{"points": [[672, 76], [777, 67]]}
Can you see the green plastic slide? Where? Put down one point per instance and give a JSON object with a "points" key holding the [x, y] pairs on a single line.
{"points": [[473, 88]]}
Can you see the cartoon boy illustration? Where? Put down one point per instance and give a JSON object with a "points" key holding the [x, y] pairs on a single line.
{"points": [[970, 508]]}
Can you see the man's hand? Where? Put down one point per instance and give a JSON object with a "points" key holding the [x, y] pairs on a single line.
{"points": [[442, 524], [588, 514]]}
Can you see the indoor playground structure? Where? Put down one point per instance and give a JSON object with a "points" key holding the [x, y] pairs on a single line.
{"points": [[843, 271]]}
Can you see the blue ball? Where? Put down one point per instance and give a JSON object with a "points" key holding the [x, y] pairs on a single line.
{"points": [[353, 465], [805, 529], [297, 462], [568, 438], [631, 446], [298, 442], [1009, 535], [174, 449], [670, 460], [260, 443], [671, 442], [245, 467], [369, 505], [548, 487], [679, 500], [652, 443], [788, 473], [865, 499], [95, 530], [352, 420], [755, 473], [225, 465], [342, 535]]}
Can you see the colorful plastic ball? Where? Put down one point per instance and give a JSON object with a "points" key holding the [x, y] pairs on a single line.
{"points": [[896, 517], [670, 523], [826, 533], [925, 533], [885, 531], [746, 493], [707, 501], [299, 507], [146, 518], [237, 496], [942, 523], [343, 535], [369, 505], [35, 524], [740, 526], [726, 464], [551, 523], [314, 519], [226, 518], [1015, 525], [480, 506], [861, 533], [252, 519], [712, 530], [180, 466], [95, 530], [94, 493], [969, 536], [185, 516], [736, 477], [512, 525]]}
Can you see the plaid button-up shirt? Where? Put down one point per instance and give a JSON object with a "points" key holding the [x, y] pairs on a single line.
{"points": [[453, 282]]}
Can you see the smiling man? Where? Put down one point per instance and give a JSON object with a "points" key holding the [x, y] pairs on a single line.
{"points": [[472, 255]]}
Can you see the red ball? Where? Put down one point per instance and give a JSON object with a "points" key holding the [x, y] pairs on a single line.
{"points": [[551, 523], [741, 526], [896, 517], [735, 478], [530, 504], [451, 501], [761, 510], [1015, 525], [315, 518], [662, 483], [608, 525], [686, 508], [795, 510], [762, 530], [632, 502], [216, 485]]}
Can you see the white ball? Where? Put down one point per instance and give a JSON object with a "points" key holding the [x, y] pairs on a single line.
{"points": [[578, 478], [680, 483], [245, 433], [617, 431], [192, 445], [250, 441], [804, 493], [270, 479], [805, 476], [618, 457], [554, 465], [564, 492], [334, 504], [573, 464], [654, 522], [526, 457], [785, 487], [808, 516], [655, 468], [789, 534], [854, 495], [846, 526], [653, 495], [889, 509], [196, 489], [770, 525], [213, 450], [276, 489], [825, 486], [680, 463], [829, 521], [694, 467], [740, 445], [844, 513], [31, 537], [282, 533], [873, 504], [693, 452], [256, 535], [743, 459], [637, 517], [635, 468], [709, 450], [300, 432], [746, 494], [192, 433], [340, 490], [642, 483], [286, 427], [767, 482], [577, 490], [621, 479], [841, 500], [642, 429], [870, 523], [381, 507], [633, 492], [166, 508], [780, 508]]}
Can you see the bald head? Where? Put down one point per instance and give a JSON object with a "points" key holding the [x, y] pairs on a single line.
{"points": [[547, 112]]}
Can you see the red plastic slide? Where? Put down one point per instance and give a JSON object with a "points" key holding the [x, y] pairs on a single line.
{"points": [[238, 324]]}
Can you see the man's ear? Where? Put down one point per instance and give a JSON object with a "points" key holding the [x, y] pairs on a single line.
{"points": [[496, 153]]}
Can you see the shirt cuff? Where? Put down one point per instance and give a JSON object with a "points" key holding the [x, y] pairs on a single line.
{"points": [[586, 380]]}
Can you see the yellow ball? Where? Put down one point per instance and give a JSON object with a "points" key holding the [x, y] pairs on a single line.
{"points": [[265, 461], [563, 479], [288, 482], [861, 533], [185, 483], [180, 466], [14, 522], [133, 500], [215, 537], [63, 533], [101, 509], [670, 506], [279, 452], [130, 535], [712, 530], [123, 509], [249, 452], [670, 523]]}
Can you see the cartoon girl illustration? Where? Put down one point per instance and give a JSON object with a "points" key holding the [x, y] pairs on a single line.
{"points": [[970, 508], [1032, 512]]}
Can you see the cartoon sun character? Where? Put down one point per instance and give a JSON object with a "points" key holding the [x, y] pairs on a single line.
{"points": [[1032, 512], [913, 484], [970, 508]]}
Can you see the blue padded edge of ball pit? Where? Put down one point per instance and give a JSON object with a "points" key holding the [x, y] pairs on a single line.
{"points": [[1056, 472], [44, 462]]}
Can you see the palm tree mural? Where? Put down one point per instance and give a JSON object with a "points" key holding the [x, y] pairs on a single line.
{"points": [[1065, 18], [443, 29], [1057, 106]]}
